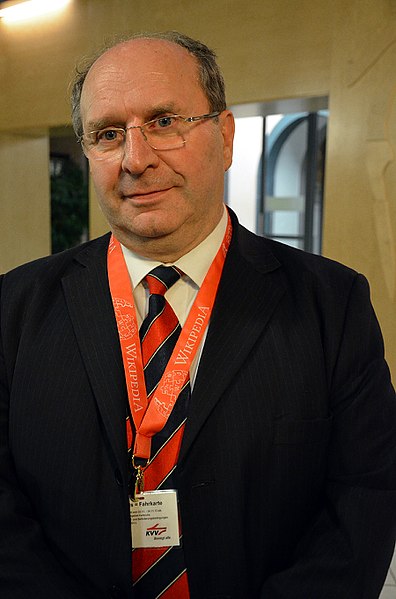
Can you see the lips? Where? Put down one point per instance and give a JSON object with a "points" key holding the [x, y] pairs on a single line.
{"points": [[147, 193]]}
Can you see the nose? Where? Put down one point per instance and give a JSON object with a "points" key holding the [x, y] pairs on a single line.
{"points": [[138, 155]]}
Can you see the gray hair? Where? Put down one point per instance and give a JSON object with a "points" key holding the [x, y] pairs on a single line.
{"points": [[210, 76]]}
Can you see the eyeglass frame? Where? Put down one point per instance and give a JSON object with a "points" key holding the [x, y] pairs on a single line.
{"points": [[189, 119]]}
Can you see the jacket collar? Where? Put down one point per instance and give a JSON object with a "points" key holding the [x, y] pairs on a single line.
{"points": [[251, 287], [88, 299]]}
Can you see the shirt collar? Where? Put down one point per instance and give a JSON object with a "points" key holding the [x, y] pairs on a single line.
{"points": [[195, 264]]}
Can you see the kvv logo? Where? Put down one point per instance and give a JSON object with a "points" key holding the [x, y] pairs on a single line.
{"points": [[155, 531]]}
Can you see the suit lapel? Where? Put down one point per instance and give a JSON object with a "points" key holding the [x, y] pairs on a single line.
{"points": [[89, 303], [251, 287]]}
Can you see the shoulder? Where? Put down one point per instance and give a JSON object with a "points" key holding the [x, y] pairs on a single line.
{"points": [[314, 285], [296, 264], [60, 261], [56, 265]]}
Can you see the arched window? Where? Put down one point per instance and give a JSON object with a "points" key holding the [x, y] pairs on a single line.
{"points": [[283, 153]]}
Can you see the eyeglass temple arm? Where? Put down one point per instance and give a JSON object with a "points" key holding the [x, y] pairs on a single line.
{"points": [[192, 119]]}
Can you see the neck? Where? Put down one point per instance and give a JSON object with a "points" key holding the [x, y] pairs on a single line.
{"points": [[166, 248]]}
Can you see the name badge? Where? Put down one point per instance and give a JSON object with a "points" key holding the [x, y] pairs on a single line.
{"points": [[155, 519]]}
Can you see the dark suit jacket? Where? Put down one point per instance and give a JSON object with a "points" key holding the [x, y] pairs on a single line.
{"points": [[287, 468]]}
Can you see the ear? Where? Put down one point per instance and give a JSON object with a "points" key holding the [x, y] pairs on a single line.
{"points": [[227, 125]]}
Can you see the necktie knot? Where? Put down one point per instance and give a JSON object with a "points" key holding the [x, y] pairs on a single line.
{"points": [[161, 278]]}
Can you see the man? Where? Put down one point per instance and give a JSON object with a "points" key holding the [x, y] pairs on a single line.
{"points": [[271, 433]]}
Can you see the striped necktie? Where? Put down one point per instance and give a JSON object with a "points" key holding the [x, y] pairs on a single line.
{"points": [[160, 572]]}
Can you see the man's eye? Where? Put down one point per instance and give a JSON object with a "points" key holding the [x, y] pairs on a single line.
{"points": [[164, 122], [108, 135]]}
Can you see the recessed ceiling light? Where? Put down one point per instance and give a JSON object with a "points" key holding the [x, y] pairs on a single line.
{"points": [[29, 9]]}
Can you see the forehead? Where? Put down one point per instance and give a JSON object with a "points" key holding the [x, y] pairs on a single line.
{"points": [[138, 75]]}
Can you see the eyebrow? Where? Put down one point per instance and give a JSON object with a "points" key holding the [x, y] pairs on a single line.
{"points": [[150, 114], [102, 123], [157, 111]]}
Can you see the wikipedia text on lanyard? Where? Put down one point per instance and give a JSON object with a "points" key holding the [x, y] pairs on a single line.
{"points": [[150, 417]]}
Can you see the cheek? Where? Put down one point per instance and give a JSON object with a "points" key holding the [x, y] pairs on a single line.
{"points": [[104, 177], [206, 162], [207, 169]]}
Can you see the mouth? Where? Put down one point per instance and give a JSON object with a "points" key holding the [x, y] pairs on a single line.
{"points": [[145, 195]]}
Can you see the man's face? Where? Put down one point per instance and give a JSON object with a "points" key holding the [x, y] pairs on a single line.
{"points": [[160, 204]]}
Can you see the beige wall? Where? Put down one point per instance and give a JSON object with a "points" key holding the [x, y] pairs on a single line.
{"points": [[268, 49], [24, 198], [360, 209]]}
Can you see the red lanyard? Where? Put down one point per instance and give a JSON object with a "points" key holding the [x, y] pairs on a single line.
{"points": [[150, 417]]}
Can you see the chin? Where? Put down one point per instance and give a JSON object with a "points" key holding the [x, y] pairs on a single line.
{"points": [[148, 231], [155, 223]]}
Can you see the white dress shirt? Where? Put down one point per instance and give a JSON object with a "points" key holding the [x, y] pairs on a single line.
{"points": [[195, 265]]}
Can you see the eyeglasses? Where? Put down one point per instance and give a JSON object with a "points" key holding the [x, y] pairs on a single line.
{"points": [[163, 133]]}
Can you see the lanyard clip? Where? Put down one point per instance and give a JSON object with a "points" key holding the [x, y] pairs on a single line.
{"points": [[139, 482], [138, 487]]}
